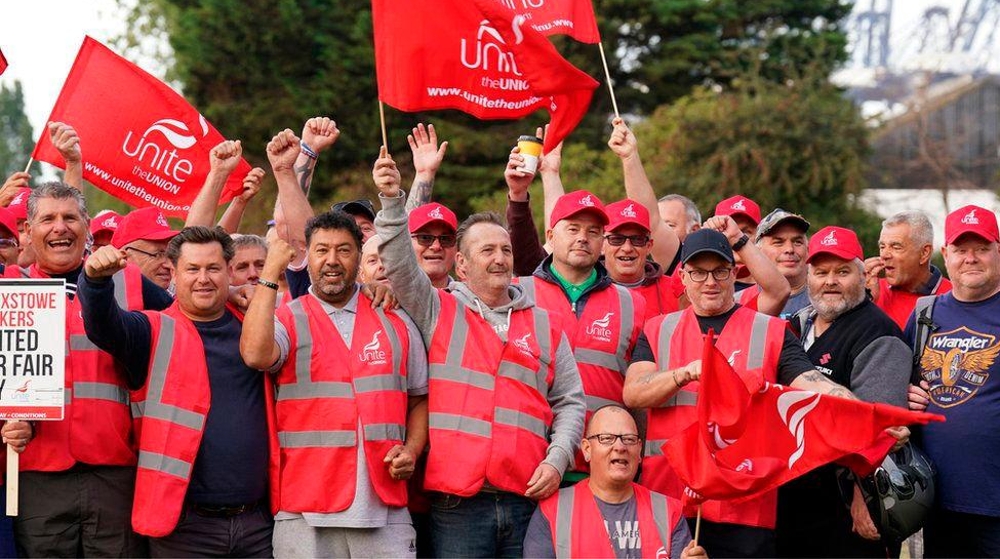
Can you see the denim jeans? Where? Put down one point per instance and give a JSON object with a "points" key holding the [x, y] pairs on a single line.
{"points": [[488, 524]]}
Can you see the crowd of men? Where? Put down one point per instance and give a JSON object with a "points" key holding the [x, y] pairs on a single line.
{"points": [[396, 382]]}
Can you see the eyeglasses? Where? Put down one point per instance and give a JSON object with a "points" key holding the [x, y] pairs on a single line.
{"points": [[607, 439], [447, 241], [637, 241], [8, 243], [720, 274], [153, 255]]}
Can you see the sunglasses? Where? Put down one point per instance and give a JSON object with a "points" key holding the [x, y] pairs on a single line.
{"points": [[424, 240], [637, 241]]}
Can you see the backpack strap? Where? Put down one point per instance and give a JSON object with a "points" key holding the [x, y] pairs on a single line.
{"points": [[923, 311]]}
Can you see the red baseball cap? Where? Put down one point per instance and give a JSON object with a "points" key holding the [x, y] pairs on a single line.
{"points": [[106, 220], [575, 202], [147, 224], [739, 205], [840, 242], [19, 204], [8, 221], [971, 219], [432, 213], [626, 212]]}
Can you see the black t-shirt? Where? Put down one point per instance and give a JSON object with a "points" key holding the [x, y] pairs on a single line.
{"points": [[792, 361]]}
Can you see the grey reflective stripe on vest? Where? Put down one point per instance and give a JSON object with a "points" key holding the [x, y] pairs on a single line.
{"points": [[680, 398], [325, 389], [595, 403], [528, 285], [452, 368], [758, 341], [121, 295], [397, 346], [654, 447], [303, 347], [138, 409], [101, 391], [80, 342], [564, 522], [524, 375], [454, 422], [165, 464], [310, 439], [514, 418], [384, 432], [68, 396], [627, 309], [543, 332], [663, 343], [659, 504], [155, 407], [533, 379], [597, 358]]}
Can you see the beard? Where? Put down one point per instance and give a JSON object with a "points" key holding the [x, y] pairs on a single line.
{"points": [[829, 309]]}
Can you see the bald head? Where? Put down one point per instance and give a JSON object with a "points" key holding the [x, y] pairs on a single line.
{"points": [[610, 414]]}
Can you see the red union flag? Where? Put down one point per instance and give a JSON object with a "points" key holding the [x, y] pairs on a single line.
{"points": [[559, 17], [141, 141], [746, 444], [478, 57]]}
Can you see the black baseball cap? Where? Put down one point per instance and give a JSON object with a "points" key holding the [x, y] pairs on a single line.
{"points": [[356, 207], [706, 240]]}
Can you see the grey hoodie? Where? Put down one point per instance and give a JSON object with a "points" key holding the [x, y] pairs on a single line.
{"points": [[417, 296]]}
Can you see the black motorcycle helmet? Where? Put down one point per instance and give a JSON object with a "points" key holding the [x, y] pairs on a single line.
{"points": [[900, 493]]}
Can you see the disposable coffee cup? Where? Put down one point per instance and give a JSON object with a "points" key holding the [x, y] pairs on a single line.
{"points": [[531, 150]]}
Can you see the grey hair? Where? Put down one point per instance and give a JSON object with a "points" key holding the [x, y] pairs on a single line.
{"points": [[693, 215], [242, 241], [920, 225], [476, 218], [59, 191]]}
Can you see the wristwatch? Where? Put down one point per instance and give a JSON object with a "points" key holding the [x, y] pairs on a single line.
{"points": [[741, 243]]}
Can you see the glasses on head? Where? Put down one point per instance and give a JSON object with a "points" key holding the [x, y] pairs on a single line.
{"points": [[607, 439], [720, 274], [424, 240], [637, 241], [8, 243], [154, 255]]}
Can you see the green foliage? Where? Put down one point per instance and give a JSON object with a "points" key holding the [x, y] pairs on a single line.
{"points": [[254, 67], [801, 146], [16, 137]]}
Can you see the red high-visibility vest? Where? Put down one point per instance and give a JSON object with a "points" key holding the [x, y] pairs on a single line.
{"points": [[323, 389], [752, 341], [489, 415], [660, 297], [97, 427], [602, 338], [177, 398], [579, 530]]}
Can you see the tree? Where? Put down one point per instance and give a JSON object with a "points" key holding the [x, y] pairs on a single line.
{"points": [[16, 138], [800, 146], [254, 67]]}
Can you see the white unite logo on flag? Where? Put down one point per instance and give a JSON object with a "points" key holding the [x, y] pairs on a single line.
{"points": [[489, 51], [795, 420]]}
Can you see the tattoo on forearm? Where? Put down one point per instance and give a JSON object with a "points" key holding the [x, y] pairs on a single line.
{"points": [[834, 390], [420, 194], [305, 172], [648, 378]]}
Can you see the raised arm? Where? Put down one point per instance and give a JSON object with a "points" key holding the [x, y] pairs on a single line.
{"points": [[773, 285], [637, 187], [318, 135], [410, 284], [282, 151], [223, 159], [548, 168], [67, 143], [257, 345], [528, 249], [231, 218], [11, 185], [427, 158]]}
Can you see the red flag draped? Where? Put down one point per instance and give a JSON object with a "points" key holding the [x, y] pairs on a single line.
{"points": [[745, 443], [559, 17], [141, 141], [476, 56]]}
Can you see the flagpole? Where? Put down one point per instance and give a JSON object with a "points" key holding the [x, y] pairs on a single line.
{"points": [[381, 116], [28, 166], [607, 76], [697, 525]]}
